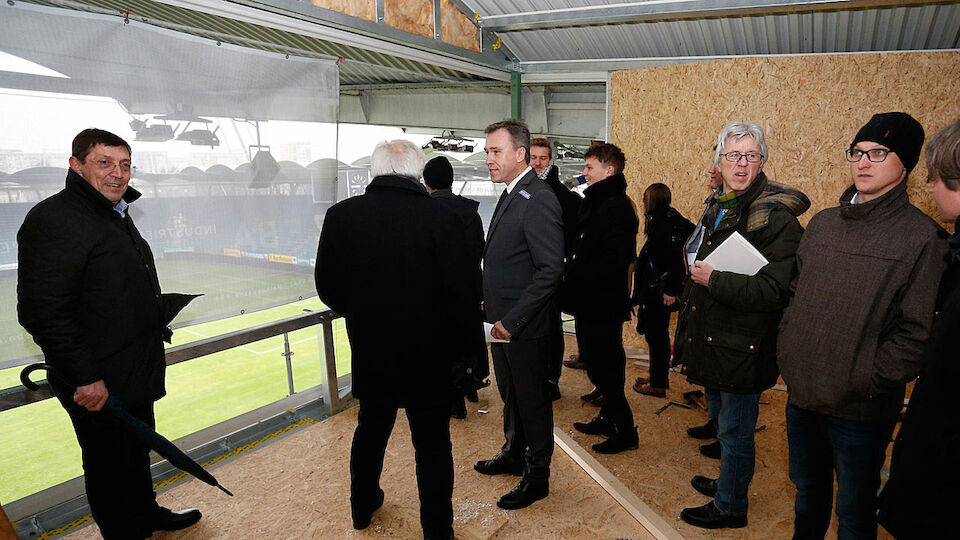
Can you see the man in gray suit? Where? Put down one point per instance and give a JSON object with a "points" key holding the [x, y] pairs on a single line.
{"points": [[523, 264]]}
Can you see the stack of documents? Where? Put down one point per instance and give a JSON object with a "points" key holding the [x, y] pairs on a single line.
{"points": [[737, 255]]}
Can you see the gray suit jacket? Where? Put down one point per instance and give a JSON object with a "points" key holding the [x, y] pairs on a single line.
{"points": [[523, 259]]}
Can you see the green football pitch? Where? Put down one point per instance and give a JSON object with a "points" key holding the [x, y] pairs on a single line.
{"points": [[39, 449]]}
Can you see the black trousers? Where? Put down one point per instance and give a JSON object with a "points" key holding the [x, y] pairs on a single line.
{"points": [[555, 355], [430, 431], [656, 318], [527, 410], [601, 342], [116, 473]]}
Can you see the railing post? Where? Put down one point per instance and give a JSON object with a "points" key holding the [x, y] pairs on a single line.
{"points": [[286, 355], [330, 358]]}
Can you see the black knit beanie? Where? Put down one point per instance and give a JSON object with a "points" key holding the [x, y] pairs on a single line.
{"points": [[438, 173], [897, 131]]}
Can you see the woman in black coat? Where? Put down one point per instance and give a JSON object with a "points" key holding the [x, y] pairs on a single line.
{"points": [[658, 281]]}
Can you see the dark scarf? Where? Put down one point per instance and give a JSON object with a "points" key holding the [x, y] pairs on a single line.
{"points": [[954, 241]]}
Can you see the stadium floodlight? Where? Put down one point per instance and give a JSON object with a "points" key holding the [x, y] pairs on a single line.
{"points": [[263, 168], [200, 137], [448, 142], [154, 133]]}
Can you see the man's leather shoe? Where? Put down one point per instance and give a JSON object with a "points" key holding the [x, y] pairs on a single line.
{"points": [[574, 362], [711, 450], [500, 464], [363, 516], [621, 441], [592, 395], [704, 432], [709, 517], [598, 426], [707, 486], [648, 390], [523, 495], [168, 520]]}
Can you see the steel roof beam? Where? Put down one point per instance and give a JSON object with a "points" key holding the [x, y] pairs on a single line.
{"points": [[306, 19], [671, 10]]}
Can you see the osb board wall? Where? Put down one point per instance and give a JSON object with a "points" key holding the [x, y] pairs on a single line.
{"points": [[457, 29], [414, 16], [666, 120], [363, 9]]}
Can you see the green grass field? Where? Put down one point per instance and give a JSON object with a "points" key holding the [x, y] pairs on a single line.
{"points": [[39, 449], [227, 288]]}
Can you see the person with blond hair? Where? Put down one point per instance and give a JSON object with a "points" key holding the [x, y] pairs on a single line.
{"points": [[924, 465]]}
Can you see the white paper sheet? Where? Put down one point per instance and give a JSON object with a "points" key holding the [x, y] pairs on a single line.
{"points": [[487, 329], [737, 255]]}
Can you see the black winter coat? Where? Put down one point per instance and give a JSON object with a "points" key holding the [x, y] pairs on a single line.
{"points": [[727, 332], [87, 291], [917, 499], [596, 281], [660, 267], [466, 210], [394, 263], [569, 207]]}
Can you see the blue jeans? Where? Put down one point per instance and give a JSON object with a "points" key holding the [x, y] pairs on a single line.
{"points": [[818, 444], [736, 416]]}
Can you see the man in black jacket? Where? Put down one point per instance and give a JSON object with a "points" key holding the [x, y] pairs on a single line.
{"points": [[541, 159], [596, 292], [88, 293], [438, 177], [390, 249]]}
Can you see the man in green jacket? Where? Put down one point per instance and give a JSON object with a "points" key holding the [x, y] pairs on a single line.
{"points": [[727, 329], [854, 332]]}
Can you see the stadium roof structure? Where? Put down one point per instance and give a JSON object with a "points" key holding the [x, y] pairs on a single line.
{"points": [[560, 52]]}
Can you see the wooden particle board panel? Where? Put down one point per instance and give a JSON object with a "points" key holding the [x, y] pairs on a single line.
{"points": [[363, 9], [457, 29], [414, 16], [666, 119]]}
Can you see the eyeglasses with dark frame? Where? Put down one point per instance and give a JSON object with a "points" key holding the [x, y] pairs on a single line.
{"points": [[752, 157], [875, 155]]}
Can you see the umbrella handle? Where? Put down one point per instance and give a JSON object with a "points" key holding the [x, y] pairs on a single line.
{"points": [[30, 385]]}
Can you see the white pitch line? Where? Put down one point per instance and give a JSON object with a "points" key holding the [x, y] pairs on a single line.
{"points": [[268, 351]]}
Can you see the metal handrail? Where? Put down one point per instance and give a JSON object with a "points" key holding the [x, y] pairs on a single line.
{"points": [[18, 396]]}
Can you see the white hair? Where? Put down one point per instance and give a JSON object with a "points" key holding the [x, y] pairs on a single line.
{"points": [[400, 157], [739, 130]]}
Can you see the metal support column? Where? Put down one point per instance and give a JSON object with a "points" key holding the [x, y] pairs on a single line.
{"points": [[516, 95], [286, 354], [330, 359], [437, 20]]}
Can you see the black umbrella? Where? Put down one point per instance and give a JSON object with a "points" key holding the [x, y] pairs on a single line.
{"points": [[147, 436]]}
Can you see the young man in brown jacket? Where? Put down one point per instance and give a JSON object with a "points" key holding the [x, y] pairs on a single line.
{"points": [[853, 335]]}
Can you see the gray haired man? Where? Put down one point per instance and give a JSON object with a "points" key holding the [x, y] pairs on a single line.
{"points": [[394, 246]]}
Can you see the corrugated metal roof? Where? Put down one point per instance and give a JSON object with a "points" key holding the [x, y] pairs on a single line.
{"points": [[360, 66], [851, 30]]}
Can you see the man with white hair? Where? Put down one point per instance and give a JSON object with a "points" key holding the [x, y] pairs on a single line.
{"points": [[392, 261]]}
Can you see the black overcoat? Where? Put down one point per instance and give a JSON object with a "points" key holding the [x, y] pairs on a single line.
{"points": [[569, 208], [596, 280], [393, 262], [917, 499], [466, 210], [660, 267], [87, 291]]}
